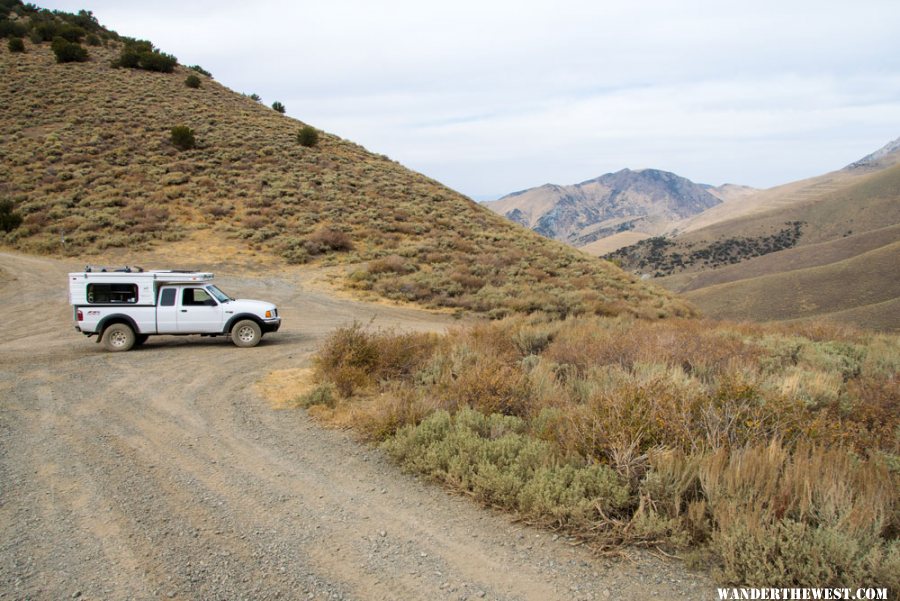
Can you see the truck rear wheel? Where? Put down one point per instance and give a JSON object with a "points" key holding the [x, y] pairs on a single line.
{"points": [[118, 337], [246, 333]]}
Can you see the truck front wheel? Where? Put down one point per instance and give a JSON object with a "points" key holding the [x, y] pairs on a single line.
{"points": [[118, 337], [246, 333]]}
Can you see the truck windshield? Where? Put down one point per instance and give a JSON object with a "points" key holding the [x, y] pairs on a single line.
{"points": [[218, 294]]}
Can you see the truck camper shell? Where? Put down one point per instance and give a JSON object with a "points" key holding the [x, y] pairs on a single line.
{"points": [[124, 306]]}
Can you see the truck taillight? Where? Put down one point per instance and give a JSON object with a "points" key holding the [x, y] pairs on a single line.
{"points": [[80, 315]]}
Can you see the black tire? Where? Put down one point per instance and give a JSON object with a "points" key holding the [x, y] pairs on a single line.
{"points": [[246, 333], [140, 339], [118, 337]]}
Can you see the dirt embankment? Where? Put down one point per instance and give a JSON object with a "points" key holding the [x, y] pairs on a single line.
{"points": [[160, 473]]}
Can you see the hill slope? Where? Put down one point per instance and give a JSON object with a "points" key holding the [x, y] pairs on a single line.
{"points": [[627, 201], [830, 250], [90, 166]]}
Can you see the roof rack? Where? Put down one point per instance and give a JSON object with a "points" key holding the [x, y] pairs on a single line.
{"points": [[158, 275], [103, 269]]}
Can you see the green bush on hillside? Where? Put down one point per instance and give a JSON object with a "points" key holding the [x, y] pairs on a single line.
{"points": [[44, 31], [9, 218], [192, 81], [278, 107], [158, 61], [12, 29], [16, 45], [84, 19], [183, 138], [68, 52], [200, 70], [71, 33], [141, 54], [93, 40], [308, 136]]}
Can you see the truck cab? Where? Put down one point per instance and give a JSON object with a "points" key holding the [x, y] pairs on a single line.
{"points": [[123, 308]]}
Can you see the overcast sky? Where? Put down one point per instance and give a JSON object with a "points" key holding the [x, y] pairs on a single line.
{"points": [[490, 97]]}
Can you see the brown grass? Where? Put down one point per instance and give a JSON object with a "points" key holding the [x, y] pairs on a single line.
{"points": [[773, 450]]}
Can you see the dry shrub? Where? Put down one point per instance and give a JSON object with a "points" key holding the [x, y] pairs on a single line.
{"points": [[390, 264], [380, 417], [814, 517], [693, 345], [326, 239], [352, 357], [491, 386], [652, 433]]}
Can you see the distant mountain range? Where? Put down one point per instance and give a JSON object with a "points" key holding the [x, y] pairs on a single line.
{"points": [[825, 247], [625, 206]]}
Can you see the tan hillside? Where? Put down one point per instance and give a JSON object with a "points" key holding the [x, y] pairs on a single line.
{"points": [[858, 203], [801, 257], [802, 250], [89, 164], [861, 289], [746, 202]]}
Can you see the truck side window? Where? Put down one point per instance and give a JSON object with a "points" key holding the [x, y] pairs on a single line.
{"points": [[167, 298], [197, 297], [101, 294]]}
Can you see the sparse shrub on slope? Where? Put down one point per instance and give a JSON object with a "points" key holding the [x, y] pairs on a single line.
{"points": [[278, 107], [192, 81], [157, 61], [141, 54], [182, 137], [308, 136], [68, 52], [10, 219], [325, 239], [71, 33], [16, 45], [200, 70], [12, 29]]}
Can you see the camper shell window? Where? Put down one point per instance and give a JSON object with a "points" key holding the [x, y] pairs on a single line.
{"points": [[101, 294]]}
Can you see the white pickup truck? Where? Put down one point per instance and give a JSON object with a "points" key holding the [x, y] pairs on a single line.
{"points": [[124, 307]]}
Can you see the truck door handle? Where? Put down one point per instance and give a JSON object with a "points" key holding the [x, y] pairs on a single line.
{"points": [[184, 310]]}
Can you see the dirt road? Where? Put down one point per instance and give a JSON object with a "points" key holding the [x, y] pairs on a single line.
{"points": [[160, 473]]}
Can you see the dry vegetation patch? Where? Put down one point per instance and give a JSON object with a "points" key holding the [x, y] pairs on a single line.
{"points": [[771, 451]]}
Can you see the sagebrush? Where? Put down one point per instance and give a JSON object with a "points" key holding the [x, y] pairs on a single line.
{"points": [[773, 450]]}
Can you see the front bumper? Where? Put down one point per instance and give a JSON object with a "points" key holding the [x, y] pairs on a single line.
{"points": [[271, 325]]}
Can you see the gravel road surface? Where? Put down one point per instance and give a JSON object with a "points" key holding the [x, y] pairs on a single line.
{"points": [[161, 474]]}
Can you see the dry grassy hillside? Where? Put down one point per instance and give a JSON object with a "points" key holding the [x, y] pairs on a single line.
{"points": [[833, 254], [89, 164], [860, 204], [825, 291]]}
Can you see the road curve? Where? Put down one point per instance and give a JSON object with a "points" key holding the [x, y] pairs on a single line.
{"points": [[161, 474]]}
